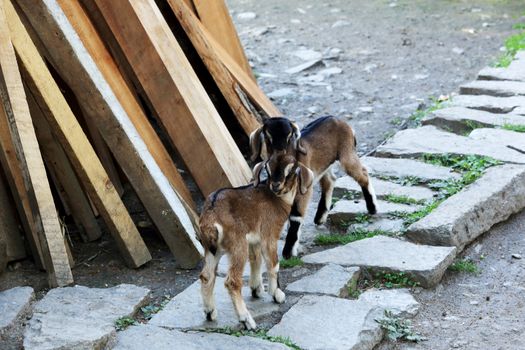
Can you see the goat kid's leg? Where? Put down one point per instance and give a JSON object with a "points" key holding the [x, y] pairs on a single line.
{"points": [[327, 189], [291, 246], [207, 278], [233, 284], [353, 167], [272, 266], [255, 270]]}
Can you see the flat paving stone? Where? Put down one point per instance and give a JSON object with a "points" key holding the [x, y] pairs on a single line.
{"points": [[466, 215], [493, 88], [399, 301], [429, 139], [425, 264], [81, 317], [347, 210], [514, 104], [331, 280], [224, 263], [506, 137], [157, 338], [515, 71], [402, 168], [382, 188], [13, 303], [185, 309], [460, 119], [329, 323], [381, 224]]}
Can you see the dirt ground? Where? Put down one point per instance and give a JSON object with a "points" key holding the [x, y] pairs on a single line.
{"points": [[393, 56]]}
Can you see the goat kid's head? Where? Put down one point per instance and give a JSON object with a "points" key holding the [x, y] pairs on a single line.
{"points": [[276, 135], [285, 174]]}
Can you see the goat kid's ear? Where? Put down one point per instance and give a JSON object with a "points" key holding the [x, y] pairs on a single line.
{"points": [[306, 178], [297, 138], [257, 173], [256, 141]]}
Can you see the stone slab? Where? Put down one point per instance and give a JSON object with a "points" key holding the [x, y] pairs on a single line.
{"points": [[513, 104], [157, 338], [515, 71], [224, 263], [330, 280], [80, 317], [13, 303], [466, 215], [381, 224], [459, 119], [425, 264], [329, 323], [347, 210], [185, 310], [401, 168], [399, 301], [494, 136], [429, 139], [382, 188], [493, 88]]}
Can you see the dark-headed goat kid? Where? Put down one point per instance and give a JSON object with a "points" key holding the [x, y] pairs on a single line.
{"points": [[318, 145], [246, 222]]}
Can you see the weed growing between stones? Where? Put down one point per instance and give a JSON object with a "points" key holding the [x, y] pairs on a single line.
{"points": [[124, 322], [384, 279], [402, 199], [410, 218], [147, 312], [347, 195], [356, 235], [464, 265], [472, 124], [513, 127], [420, 114], [292, 262], [405, 180], [260, 333], [398, 329], [353, 290], [361, 218], [513, 44]]}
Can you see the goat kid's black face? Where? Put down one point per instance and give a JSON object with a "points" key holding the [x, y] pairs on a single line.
{"points": [[278, 135]]}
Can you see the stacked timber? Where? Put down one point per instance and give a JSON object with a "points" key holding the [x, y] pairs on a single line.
{"points": [[99, 97]]}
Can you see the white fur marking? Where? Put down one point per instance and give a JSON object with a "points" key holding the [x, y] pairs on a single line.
{"points": [[253, 238], [220, 232], [298, 219]]}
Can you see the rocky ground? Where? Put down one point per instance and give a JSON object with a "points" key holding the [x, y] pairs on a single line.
{"points": [[374, 64]]}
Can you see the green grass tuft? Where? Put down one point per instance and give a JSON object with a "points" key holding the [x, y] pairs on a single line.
{"points": [[402, 199], [513, 44], [356, 235], [410, 218], [292, 262], [124, 322], [464, 265], [398, 329], [513, 127], [420, 114]]}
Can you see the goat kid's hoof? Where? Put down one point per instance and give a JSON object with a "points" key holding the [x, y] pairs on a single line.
{"points": [[279, 297], [211, 315], [248, 323], [257, 292]]}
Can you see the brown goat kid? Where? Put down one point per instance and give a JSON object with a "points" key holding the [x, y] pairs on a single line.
{"points": [[318, 145], [245, 223]]}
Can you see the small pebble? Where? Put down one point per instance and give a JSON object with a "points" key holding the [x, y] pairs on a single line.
{"points": [[516, 256]]}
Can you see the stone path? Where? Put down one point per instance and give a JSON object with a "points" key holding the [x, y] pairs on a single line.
{"points": [[319, 313]]}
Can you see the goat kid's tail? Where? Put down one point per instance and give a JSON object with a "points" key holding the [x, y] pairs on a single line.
{"points": [[209, 235]]}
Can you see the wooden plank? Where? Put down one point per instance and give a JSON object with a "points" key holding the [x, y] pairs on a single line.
{"points": [[28, 153], [59, 164], [75, 144], [254, 92], [179, 99], [15, 179], [214, 15], [108, 67], [9, 223], [78, 69], [220, 74]]}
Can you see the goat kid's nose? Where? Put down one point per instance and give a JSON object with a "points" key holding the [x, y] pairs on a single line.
{"points": [[275, 186]]}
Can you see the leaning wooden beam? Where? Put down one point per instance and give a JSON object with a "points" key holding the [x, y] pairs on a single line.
{"points": [[178, 97], [214, 15], [57, 161], [250, 87], [78, 69], [108, 67], [26, 146], [220, 74], [75, 144], [9, 224]]}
